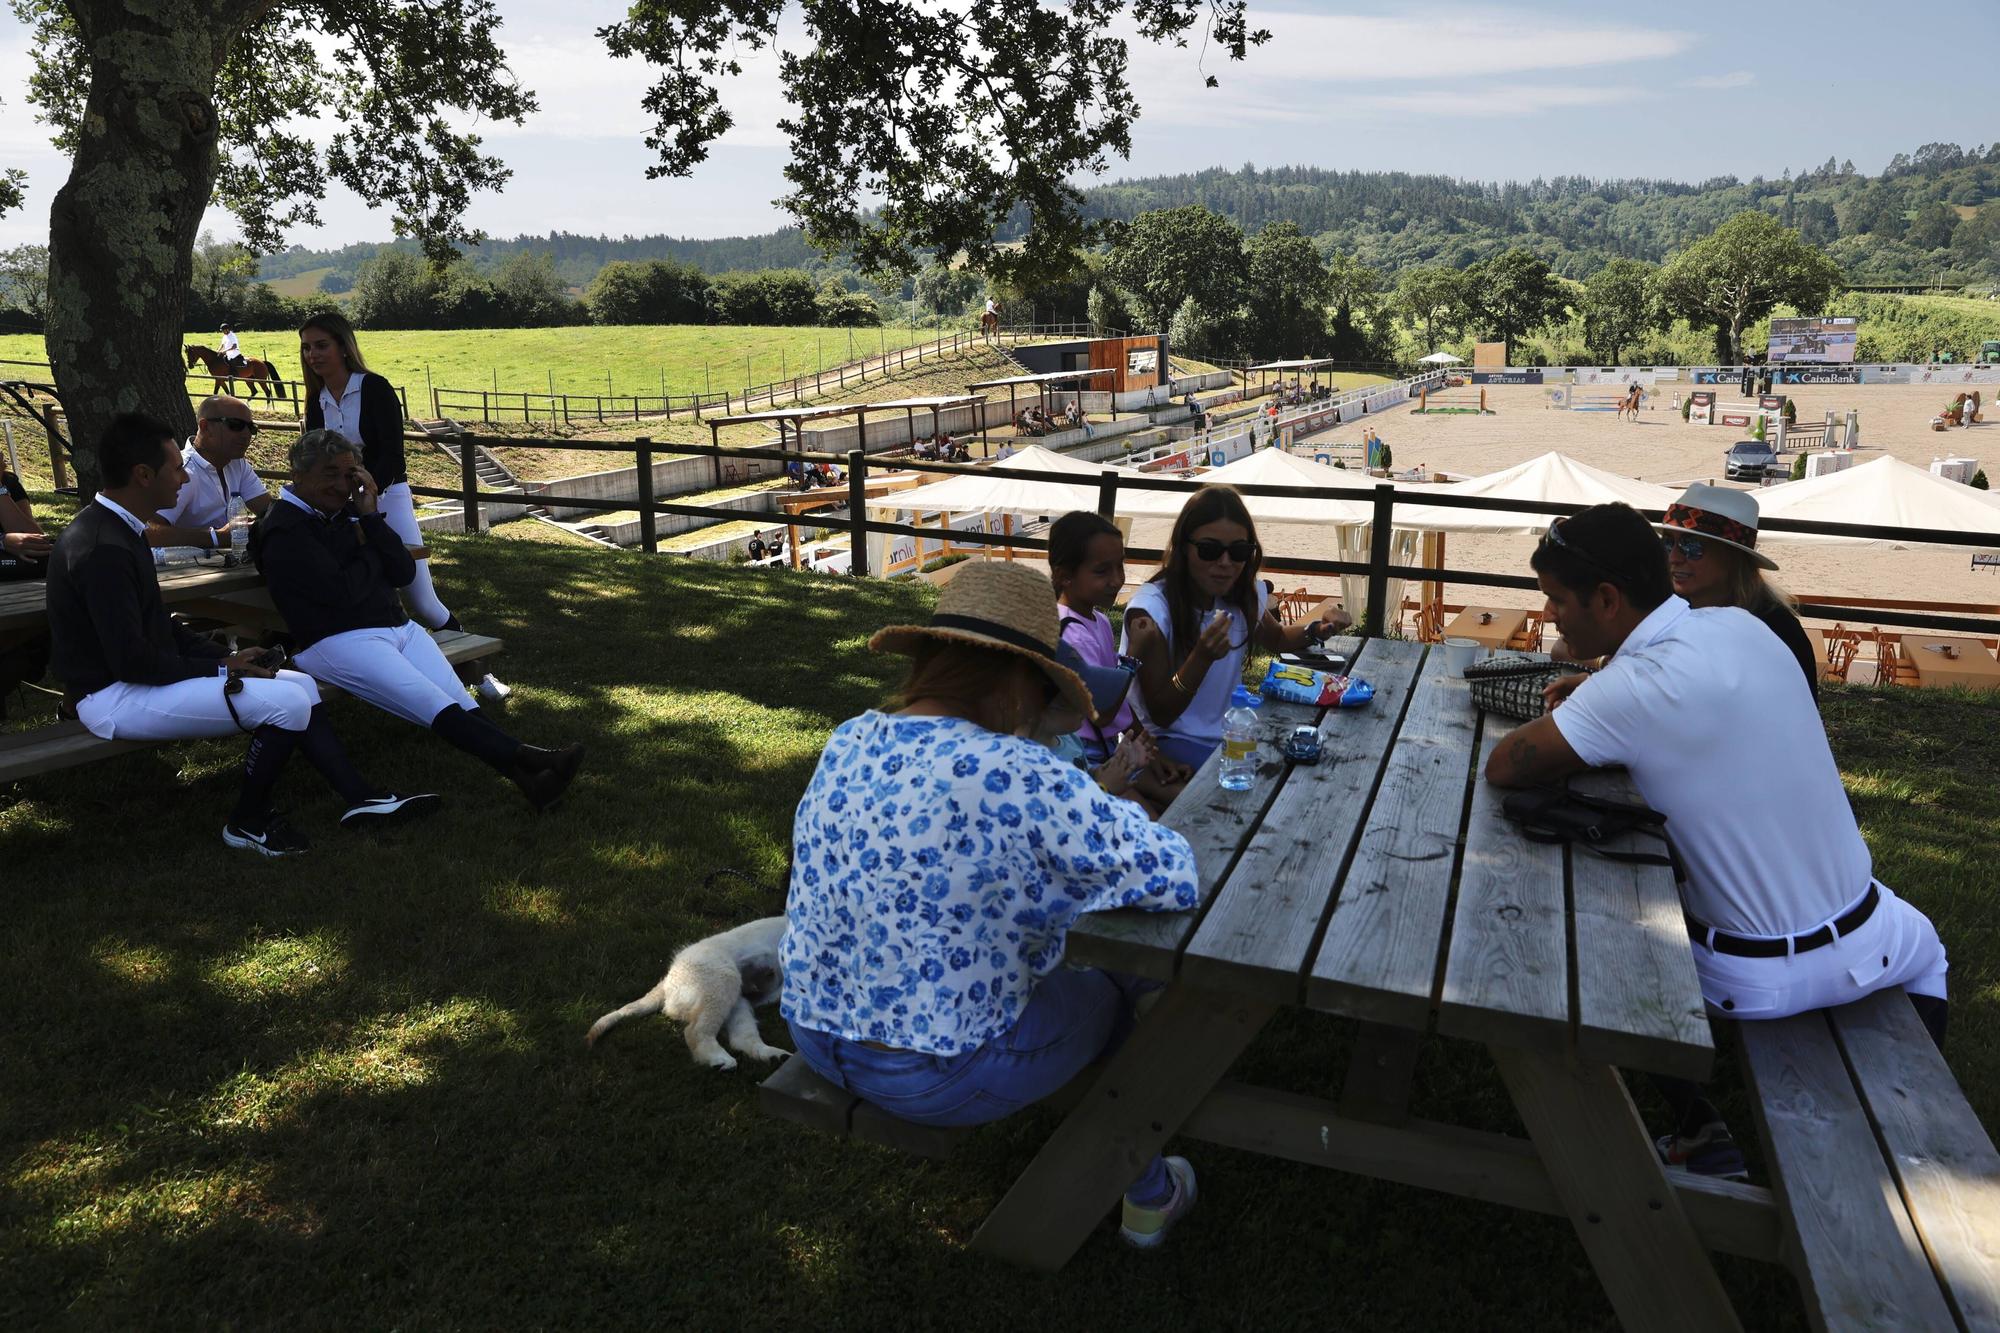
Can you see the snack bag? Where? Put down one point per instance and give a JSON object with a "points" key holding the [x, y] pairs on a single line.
{"points": [[1302, 685]]}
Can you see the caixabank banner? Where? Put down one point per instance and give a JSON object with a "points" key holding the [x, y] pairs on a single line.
{"points": [[1816, 374]]}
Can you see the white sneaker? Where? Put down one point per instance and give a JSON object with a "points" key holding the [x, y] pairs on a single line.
{"points": [[1146, 1228], [492, 689]]}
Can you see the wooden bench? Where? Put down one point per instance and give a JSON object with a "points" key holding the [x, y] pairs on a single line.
{"points": [[68, 744], [1888, 1186], [794, 1092]]}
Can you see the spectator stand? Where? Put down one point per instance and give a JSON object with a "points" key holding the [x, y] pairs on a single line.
{"points": [[1045, 385], [1306, 369]]}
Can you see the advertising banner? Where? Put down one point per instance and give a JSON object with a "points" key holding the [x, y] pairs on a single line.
{"points": [[1822, 338], [1142, 362], [1955, 375], [1771, 402], [1507, 376], [1884, 374], [1715, 375], [1619, 374], [1816, 375]]}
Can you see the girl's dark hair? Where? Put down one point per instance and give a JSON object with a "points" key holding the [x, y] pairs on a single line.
{"points": [[1210, 504], [1070, 537]]}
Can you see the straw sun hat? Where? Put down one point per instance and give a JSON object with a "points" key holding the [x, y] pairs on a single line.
{"points": [[996, 604], [1718, 514]]}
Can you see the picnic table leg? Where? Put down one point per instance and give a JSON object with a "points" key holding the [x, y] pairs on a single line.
{"points": [[1379, 1074], [1174, 1057], [1601, 1161]]}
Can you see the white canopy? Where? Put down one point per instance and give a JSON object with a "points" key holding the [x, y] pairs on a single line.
{"points": [[1885, 493], [1439, 359], [1268, 467], [1552, 478], [973, 491]]}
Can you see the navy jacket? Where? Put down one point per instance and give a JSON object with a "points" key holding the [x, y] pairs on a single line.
{"points": [[106, 620], [329, 575], [381, 429]]}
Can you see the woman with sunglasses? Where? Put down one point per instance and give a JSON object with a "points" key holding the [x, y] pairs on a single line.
{"points": [[1191, 626], [1710, 535]]}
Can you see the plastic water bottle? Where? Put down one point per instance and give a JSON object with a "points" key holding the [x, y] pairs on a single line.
{"points": [[239, 536], [1239, 742]]}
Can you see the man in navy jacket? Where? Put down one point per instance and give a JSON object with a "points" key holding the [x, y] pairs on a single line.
{"points": [[334, 566]]}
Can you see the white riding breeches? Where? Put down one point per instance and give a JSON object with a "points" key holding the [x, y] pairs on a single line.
{"points": [[400, 508], [1896, 946], [401, 670], [189, 709]]}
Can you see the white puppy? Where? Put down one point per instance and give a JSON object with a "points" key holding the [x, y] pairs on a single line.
{"points": [[711, 986]]}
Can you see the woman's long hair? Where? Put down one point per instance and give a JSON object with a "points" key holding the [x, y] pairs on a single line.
{"points": [[335, 325], [1748, 588], [1210, 504]]}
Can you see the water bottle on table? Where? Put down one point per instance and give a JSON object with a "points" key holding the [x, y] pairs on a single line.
{"points": [[239, 535], [1239, 742]]}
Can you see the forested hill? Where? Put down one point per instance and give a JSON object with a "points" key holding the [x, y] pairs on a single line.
{"points": [[577, 258], [1931, 214]]}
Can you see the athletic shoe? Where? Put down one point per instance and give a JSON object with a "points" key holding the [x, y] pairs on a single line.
{"points": [[492, 689], [1146, 1228], [275, 839], [379, 811], [1712, 1152]]}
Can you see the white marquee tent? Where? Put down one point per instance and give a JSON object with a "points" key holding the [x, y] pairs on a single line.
{"points": [[1552, 478], [1885, 493], [1268, 467], [974, 491]]}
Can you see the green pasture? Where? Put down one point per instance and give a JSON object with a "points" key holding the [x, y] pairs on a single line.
{"points": [[589, 359], [353, 1092]]}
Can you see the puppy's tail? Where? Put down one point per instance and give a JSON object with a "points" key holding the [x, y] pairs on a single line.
{"points": [[650, 1003]]}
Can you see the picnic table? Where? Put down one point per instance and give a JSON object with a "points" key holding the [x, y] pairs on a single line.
{"points": [[1967, 664], [1370, 885], [1488, 626], [197, 589]]}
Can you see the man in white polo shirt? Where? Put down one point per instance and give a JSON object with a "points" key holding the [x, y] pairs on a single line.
{"points": [[1708, 711], [217, 473]]}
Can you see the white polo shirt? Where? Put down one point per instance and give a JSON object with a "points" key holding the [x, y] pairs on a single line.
{"points": [[343, 414], [204, 501], [1710, 713]]}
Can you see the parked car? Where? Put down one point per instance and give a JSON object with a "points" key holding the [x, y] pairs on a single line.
{"points": [[1748, 460]]}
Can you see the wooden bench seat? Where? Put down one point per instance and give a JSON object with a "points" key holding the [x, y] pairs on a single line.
{"points": [[1888, 1186], [63, 745]]}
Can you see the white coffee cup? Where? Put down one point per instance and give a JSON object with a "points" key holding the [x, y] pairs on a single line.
{"points": [[1460, 654]]}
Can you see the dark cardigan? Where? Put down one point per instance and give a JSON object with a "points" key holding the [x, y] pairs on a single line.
{"points": [[381, 429]]}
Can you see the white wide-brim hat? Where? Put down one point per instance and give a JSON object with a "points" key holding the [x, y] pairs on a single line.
{"points": [[1718, 514]]}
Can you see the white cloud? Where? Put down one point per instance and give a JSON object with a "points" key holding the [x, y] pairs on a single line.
{"points": [[1493, 100], [1736, 78]]}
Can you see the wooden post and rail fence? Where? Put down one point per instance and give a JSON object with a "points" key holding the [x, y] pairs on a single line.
{"points": [[1379, 568]]}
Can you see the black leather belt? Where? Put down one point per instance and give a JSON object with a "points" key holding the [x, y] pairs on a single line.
{"points": [[1721, 941]]}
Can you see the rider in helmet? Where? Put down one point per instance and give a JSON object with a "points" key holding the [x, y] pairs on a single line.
{"points": [[231, 351]]}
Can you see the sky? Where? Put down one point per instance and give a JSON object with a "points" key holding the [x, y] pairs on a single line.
{"points": [[1488, 91]]}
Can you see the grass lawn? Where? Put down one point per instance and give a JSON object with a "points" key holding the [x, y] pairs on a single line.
{"points": [[353, 1091], [692, 357]]}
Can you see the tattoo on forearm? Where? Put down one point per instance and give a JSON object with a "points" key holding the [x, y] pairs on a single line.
{"points": [[1522, 754]]}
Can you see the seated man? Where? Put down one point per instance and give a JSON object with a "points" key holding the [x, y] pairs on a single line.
{"points": [[217, 473], [131, 673], [333, 565], [1709, 712], [24, 547]]}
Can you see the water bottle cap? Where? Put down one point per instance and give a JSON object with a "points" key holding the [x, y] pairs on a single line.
{"points": [[1242, 698]]}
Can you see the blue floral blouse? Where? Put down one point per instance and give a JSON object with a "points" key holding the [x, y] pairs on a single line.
{"points": [[936, 869]]}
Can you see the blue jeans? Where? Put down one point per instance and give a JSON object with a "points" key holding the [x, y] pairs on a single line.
{"points": [[1073, 1016]]}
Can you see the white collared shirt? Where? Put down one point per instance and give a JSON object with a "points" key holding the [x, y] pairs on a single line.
{"points": [[343, 414], [1709, 711], [122, 512], [204, 500]]}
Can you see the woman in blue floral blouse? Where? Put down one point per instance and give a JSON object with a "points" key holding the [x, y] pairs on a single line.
{"points": [[939, 859]]}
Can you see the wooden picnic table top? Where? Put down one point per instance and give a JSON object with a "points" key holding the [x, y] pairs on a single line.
{"points": [[1500, 626], [25, 605], [1369, 885], [1970, 666]]}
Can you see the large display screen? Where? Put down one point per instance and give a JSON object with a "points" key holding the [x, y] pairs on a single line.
{"points": [[1823, 338]]}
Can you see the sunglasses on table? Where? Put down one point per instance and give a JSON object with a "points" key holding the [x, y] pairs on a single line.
{"points": [[237, 424], [1209, 548], [1691, 548]]}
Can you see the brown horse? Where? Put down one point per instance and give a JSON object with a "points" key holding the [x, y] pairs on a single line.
{"points": [[989, 324], [261, 376]]}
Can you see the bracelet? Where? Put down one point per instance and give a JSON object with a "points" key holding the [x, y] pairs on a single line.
{"points": [[1179, 686]]}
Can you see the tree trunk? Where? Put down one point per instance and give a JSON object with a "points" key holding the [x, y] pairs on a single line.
{"points": [[1736, 340], [122, 228]]}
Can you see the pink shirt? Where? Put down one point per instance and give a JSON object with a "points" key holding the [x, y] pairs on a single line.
{"points": [[1096, 645]]}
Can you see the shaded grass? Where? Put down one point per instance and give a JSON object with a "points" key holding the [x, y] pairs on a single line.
{"points": [[352, 1091]]}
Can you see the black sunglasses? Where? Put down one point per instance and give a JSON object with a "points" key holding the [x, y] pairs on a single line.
{"points": [[237, 424], [1554, 537], [1209, 548]]}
